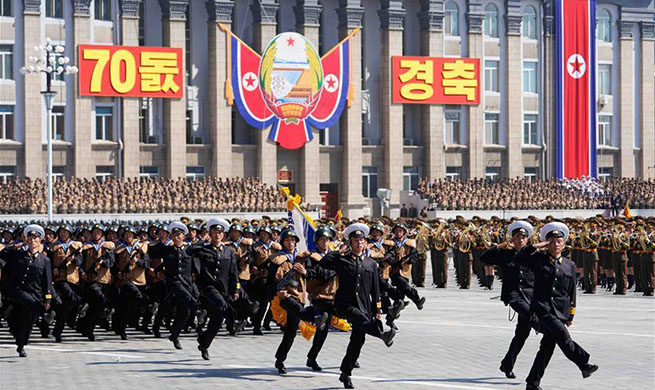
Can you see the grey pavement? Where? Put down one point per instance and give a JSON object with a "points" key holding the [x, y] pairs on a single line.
{"points": [[456, 342]]}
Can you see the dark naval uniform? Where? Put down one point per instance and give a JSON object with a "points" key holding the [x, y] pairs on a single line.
{"points": [[30, 287], [216, 275], [554, 304], [517, 291]]}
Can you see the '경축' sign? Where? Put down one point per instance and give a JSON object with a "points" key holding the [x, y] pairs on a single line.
{"points": [[130, 71], [432, 80]]}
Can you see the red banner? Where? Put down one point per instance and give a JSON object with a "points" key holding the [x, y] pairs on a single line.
{"points": [[130, 71], [433, 80]]}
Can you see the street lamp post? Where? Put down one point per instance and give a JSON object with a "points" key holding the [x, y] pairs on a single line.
{"points": [[53, 63]]}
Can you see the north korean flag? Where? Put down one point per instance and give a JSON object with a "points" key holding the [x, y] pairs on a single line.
{"points": [[576, 88]]}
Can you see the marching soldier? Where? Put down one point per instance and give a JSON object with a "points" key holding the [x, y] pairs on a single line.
{"points": [[554, 301], [401, 256], [589, 247], [262, 250], [98, 259], [130, 276], [29, 284], [418, 269], [463, 258], [216, 269], [66, 259], [358, 298], [620, 245], [321, 289], [177, 265], [377, 250], [517, 289], [242, 251], [156, 277], [289, 274]]}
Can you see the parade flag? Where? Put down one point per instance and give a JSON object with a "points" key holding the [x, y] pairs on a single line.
{"points": [[575, 88], [300, 222], [626, 211], [288, 88]]}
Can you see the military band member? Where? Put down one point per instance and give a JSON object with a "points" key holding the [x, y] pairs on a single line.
{"points": [[554, 301], [619, 247], [463, 257], [215, 265], [439, 240], [517, 289], [358, 297], [29, 284], [66, 258], [589, 247]]}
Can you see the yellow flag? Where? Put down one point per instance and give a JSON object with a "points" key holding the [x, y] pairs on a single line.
{"points": [[626, 210]]}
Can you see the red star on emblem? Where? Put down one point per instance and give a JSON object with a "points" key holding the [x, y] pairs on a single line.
{"points": [[330, 82], [576, 65], [290, 41], [250, 80]]}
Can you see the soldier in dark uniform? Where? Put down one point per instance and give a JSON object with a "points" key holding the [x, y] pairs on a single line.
{"points": [[29, 284], [377, 250], [358, 298], [130, 275], [554, 301], [66, 259], [217, 278], [401, 257], [289, 274], [517, 289], [439, 241], [178, 265], [98, 259], [262, 250]]}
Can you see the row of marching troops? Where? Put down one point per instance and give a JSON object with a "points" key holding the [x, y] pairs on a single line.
{"points": [[617, 255], [178, 276]]}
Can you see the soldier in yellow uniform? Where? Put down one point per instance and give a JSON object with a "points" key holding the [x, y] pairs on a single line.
{"points": [[401, 255], [98, 258], [66, 257], [130, 270], [262, 250]]}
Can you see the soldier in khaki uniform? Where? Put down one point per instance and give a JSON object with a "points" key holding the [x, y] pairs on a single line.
{"points": [[401, 255], [130, 270], [439, 240], [98, 258], [235, 320], [289, 274], [262, 250], [66, 257]]}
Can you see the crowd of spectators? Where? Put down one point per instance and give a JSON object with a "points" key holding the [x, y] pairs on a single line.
{"points": [[141, 195], [525, 194]]}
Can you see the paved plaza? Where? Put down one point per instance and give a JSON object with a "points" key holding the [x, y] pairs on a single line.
{"points": [[456, 342]]}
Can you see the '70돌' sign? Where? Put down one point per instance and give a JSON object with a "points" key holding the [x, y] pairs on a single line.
{"points": [[433, 80], [130, 71]]}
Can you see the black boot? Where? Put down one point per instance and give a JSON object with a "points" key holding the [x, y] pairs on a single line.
{"points": [[203, 352], [347, 383], [281, 369], [176, 342], [313, 364], [21, 352], [588, 369], [631, 281]]}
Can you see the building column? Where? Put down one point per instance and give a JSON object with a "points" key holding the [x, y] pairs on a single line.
{"points": [[308, 14], [548, 94], [351, 200], [264, 14], [174, 110], [220, 112], [83, 164], [647, 111], [474, 17], [131, 106], [626, 102], [33, 128], [514, 94], [392, 16], [431, 19]]}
